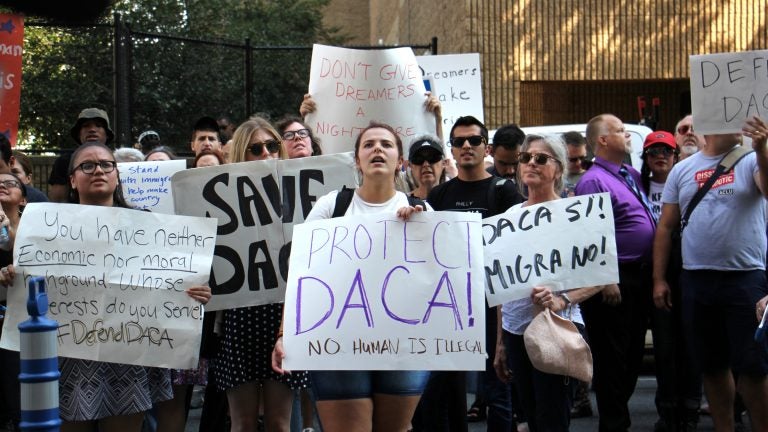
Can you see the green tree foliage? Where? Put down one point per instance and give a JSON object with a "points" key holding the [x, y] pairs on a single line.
{"points": [[172, 82]]}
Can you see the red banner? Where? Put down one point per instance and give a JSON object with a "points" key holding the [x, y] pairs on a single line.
{"points": [[11, 43]]}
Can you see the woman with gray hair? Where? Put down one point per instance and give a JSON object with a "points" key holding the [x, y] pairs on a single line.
{"points": [[544, 397], [426, 160]]}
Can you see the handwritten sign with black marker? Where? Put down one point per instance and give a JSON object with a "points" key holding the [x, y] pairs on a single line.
{"points": [[728, 88], [563, 244], [116, 281], [257, 203], [374, 292]]}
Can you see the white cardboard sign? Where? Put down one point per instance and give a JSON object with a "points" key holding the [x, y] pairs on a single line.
{"points": [[353, 87], [372, 292], [147, 185], [728, 88], [257, 204], [115, 281], [562, 244]]}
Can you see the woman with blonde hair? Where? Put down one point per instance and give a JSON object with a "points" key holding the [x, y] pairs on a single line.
{"points": [[243, 366]]}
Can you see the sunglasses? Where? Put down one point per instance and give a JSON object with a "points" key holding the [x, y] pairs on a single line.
{"points": [[474, 141], [538, 158], [577, 159], [301, 133], [107, 166], [684, 129], [660, 151], [429, 157], [257, 149]]}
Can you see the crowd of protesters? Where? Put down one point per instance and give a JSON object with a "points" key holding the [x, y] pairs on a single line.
{"points": [[698, 292]]}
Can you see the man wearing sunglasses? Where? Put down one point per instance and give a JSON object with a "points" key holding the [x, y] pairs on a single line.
{"points": [[473, 190], [688, 142], [576, 145], [616, 320]]}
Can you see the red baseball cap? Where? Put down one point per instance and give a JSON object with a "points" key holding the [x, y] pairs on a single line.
{"points": [[660, 137]]}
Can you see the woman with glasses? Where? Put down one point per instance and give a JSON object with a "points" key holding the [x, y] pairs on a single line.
{"points": [[660, 154], [378, 401], [298, 139], [426, 161], [242, 367], [96, 395], [544, 397], [13, 198]]}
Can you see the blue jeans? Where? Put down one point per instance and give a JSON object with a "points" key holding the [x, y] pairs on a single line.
{"points": [[340, 385]]}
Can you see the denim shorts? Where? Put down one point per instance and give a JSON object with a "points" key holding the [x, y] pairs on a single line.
{"points": [[339, 385], [719, 319]]}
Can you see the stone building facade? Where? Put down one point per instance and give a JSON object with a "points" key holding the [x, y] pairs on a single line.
{"points": [[564, 61]]}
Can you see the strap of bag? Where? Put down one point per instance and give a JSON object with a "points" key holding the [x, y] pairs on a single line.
{"points": [[494, 195], [726, 164], [343, 200], [414, 201]]}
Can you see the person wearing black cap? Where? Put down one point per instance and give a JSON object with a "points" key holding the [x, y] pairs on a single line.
{"points": [[92, 125], [205, 135], [427, 164]]}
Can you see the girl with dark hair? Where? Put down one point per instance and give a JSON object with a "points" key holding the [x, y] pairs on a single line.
{"points": [[298, 139], [367, 400]]}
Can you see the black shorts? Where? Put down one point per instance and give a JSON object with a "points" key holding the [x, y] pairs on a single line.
{"points": [[719, 319]]}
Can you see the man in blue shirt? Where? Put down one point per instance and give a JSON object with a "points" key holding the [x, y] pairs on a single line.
{"points": [[616, 320]]}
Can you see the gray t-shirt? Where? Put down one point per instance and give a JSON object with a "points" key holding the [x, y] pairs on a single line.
{"points": [[726, 230]]}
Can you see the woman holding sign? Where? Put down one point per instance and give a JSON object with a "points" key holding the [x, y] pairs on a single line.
{"points": [[242, 367], [545, 398], [94, 394], [367, 400]]}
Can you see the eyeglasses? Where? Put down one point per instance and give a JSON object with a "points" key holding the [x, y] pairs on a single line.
{"points": [[301, 133], [577, 159], [107, 166], [273, 146], [538, 158], [474, 141], [660, 151], [430, 157], [684, 129], [10, 184]]}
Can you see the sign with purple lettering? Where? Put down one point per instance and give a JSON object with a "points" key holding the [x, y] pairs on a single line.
{"points": [[256, 203], [371, 292], [116, 281], [728, 88], [562, 244], [353, 87]]}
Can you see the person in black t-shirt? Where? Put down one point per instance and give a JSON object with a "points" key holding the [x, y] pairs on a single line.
{"points": [[443, 406]]}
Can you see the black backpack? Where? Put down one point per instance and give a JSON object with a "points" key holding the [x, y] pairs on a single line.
{"points": [[344, 199]]}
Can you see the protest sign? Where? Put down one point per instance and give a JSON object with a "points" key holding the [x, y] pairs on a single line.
{"points": [[11, 46], [257, 204], [352, 87], [116, 281], [728, 88], [147, 185], [457, 85], [562, 244], [372, 292]]}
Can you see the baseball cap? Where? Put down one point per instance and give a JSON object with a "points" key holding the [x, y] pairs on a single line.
{"points": [[90, 114], [423, 142], [149, 138], [660, 137]]}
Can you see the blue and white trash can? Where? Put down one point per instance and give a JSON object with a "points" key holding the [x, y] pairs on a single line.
{"points": [[39, 375]]}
